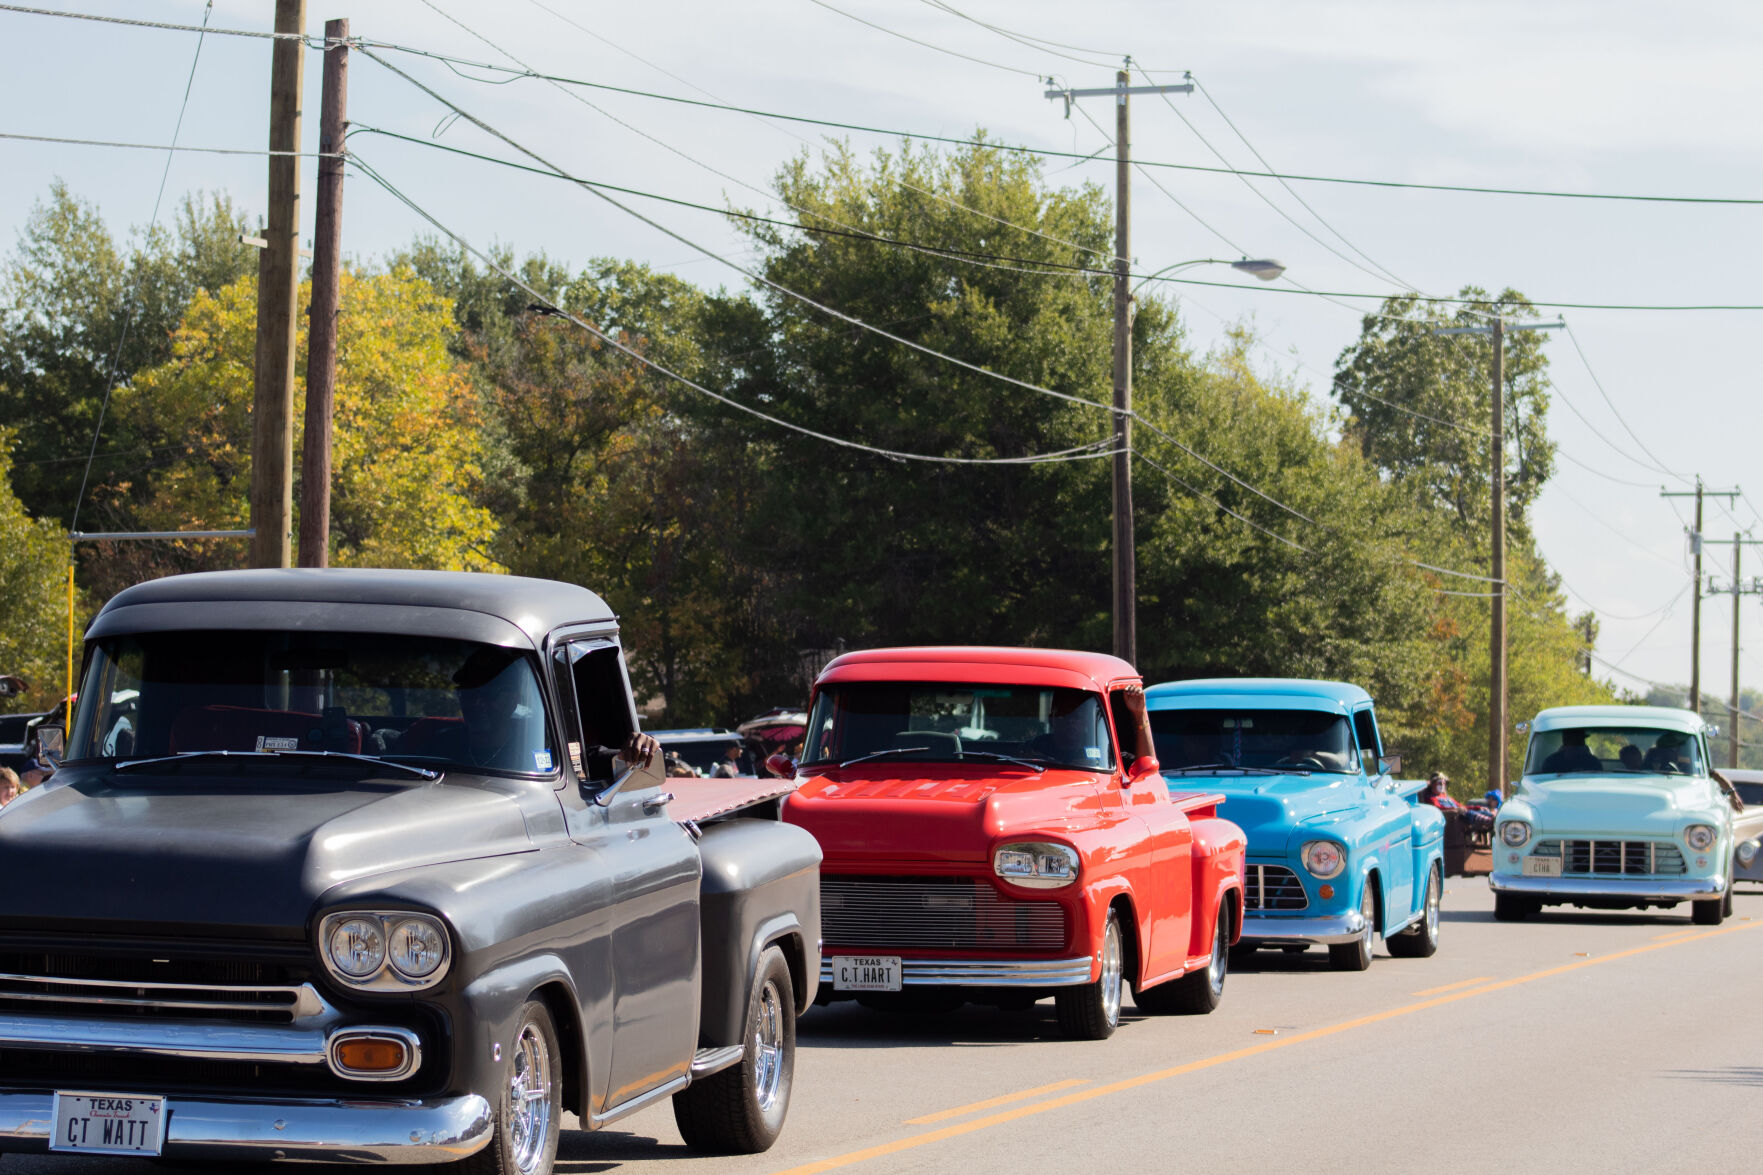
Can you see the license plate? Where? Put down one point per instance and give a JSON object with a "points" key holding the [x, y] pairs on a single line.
{"points": [[866, 973], [108, 1124], [1542, 866]]}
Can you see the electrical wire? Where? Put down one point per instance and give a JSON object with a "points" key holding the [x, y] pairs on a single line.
{"points": [[128, 317], [173, 147], [1199, 493], [1039, 44], [1616, 412], [925, 44], [1091, 451], [159, 24]]}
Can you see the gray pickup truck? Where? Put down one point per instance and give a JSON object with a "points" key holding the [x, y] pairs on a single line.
{"points": [[349, 866]]}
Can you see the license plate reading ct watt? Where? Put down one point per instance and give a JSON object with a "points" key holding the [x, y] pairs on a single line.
{"points": [[107, 1124], [1542, 866], [866, 973]]}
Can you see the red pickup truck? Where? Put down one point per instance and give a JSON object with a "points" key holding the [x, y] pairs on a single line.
{"points": [[995, 830]]}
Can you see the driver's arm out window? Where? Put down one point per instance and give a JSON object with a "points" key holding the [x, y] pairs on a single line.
{"points": [[591, 678]]}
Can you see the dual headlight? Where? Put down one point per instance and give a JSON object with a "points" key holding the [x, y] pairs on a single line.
{"points": [[1747, 853], [1036, 864], [384, 950], [1324, 858], [1514, 834], [1700, 837]]}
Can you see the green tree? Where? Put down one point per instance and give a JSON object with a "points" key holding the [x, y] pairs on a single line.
{"points": [[34, 559]]}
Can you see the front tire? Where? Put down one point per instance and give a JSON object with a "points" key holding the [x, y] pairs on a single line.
{"points": [[1422, 941], [1512, 907], [1356, 955], [741, 1110], [530, 1110], [1091, 1011], [1713, 911], [1197, 992]]}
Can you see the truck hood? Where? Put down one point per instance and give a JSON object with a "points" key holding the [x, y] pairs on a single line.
{"points": [[1268, 807], [240, 855], [941, 811], [1617, 803]]}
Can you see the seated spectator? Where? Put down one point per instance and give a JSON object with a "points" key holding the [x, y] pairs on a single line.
{"points": [[1438, 795], [1667, 753], [1574, 755], [1630, 755], [678, 768], [9, 787], [35, 772], [730, 764]]}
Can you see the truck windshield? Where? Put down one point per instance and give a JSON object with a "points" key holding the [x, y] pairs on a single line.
{"points": [[1584, 750], [940, 720], [407, 698], [1303, 740]]}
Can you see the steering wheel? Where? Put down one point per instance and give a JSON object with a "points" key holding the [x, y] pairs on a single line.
{"points": [[1301, 759]]}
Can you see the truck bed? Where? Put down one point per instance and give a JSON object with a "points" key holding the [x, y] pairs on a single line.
{"points": [[700, 800]]}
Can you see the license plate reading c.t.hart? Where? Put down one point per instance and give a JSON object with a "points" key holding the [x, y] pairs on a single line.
{"points": [[108, 1124], [866, 973]]}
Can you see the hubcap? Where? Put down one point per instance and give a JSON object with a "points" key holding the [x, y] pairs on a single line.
{"points": [[1111, 973], [1220, 958], [1368, 911], [1432, 906], [529, 1098], [768, 1048]]}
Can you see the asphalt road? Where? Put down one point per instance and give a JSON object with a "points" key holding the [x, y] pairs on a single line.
{"points": [[1575, 1041]]}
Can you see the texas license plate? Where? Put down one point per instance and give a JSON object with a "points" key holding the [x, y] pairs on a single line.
{"points": [[1542, 866], [108, 1124], [866, 973]]}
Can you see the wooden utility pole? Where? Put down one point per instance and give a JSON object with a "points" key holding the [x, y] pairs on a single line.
{"points": [[1125, 578], [1497, 539], [1698, 494], [278, 283], [327, 272], [1737, 589]]}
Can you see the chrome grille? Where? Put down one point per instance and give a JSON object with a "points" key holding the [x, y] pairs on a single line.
{"points": [[1614, 858], [54, 994], [1274, 887], [934, 912]]}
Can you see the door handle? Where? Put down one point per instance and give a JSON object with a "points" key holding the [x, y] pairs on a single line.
{"points": [[655, 803]]}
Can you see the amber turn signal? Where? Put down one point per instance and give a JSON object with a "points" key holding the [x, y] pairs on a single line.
{"points": [[1325, 892], [372, 1054]]}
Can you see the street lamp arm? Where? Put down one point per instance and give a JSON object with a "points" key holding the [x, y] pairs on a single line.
{"points": [[1264, 268]]}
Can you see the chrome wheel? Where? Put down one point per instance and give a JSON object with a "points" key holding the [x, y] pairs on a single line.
{"points": [[1432, 905], [529, 1099], [1111, 973], [768, 1048], [1220, 964]]}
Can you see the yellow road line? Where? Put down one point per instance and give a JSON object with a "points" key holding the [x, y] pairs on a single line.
{"points": [[1454, 986], [993, 1103], [1071, 1099]]}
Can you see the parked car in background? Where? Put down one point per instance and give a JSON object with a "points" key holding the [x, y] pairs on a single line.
{"points": [[381, 877], [1617, 809], [996, 831], [1339, 851], [1747, 826], [15, 749], [705, 748]]}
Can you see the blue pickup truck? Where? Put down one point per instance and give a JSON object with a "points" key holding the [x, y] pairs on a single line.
{"points": [[1339, 850]]}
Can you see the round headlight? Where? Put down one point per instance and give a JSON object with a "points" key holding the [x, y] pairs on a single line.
{"points": [[1748, 853], [357, 947], [1324, 858], [1515, 833], [417, 948], [1699, 837]]}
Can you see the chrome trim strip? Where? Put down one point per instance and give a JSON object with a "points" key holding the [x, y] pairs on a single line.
{"points": [[1639, 888], [405, 1037], [313, 1130], [642, 1100], [1336, 928], [204, 1040], [981, 972], [301, 1001], [708, 1061]]}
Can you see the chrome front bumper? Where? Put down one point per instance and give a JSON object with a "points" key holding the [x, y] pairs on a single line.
{"points": [[1262, 930], [977, 972], [399, 1133], [1640, 889]]}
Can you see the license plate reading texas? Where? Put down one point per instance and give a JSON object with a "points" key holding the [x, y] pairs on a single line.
{"points": [[866, 973], [106, 1124], [1542, 866]]}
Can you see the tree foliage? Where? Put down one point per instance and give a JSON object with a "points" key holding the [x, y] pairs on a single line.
{"points": [[33, 610]]}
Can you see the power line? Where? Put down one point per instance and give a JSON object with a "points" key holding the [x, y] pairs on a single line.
{"points": [[171, 147], [1040, 44], [926, 44], [128, 316], [1048, 152], [1090, 451], [159, 24], [1616, 412]]}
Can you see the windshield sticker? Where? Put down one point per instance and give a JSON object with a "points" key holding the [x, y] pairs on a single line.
{"points": [[271, 742], [1094, 753], [575, 758], [542, 760]]}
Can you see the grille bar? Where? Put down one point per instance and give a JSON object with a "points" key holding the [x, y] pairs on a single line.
{"points": [[1274, 887], [957, 913], [46, 993], [1615, 858]]}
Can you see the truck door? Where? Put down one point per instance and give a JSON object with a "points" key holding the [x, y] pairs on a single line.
{"points": [[655, 875], [1165, 906], [1395, 824]]}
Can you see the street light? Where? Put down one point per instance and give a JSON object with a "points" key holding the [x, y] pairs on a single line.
{"points": [[1126, 603]]}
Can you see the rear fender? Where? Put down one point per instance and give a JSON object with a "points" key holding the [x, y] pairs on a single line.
{"points": [[761, 887]]}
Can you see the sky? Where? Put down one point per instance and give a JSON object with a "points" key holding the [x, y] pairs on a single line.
{"points": [[1604, 96]]}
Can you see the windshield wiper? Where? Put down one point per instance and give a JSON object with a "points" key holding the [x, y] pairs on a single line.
{"points": [[1000, 757], [882, 753], [1234, 767], [194, 756]]}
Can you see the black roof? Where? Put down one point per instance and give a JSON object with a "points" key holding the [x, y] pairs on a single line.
{"points": [[361, 599]]}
